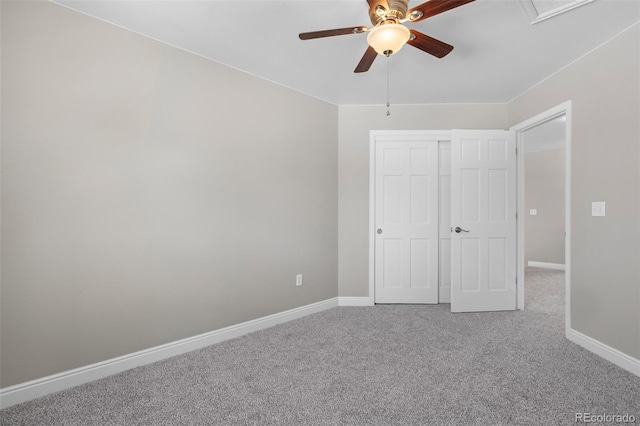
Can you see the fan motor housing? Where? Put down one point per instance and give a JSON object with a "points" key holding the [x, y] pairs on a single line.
{"points": [[397, 10]]}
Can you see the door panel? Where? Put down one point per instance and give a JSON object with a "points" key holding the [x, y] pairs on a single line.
{"points": [[392, 266], [406, 218], [483, 204], [392, 199], [420, 248]]}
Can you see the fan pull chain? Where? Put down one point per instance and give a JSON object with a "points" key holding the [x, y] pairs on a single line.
{"points": [[388, 101]]}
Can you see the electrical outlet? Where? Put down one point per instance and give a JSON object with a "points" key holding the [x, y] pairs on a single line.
{"points": [[298, 280]]}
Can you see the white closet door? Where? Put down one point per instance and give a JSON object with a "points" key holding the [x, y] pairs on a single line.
{"points": [[483, 209], [444, 293], [406, 219]]}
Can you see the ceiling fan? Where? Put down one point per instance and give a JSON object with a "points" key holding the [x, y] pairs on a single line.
{"points": [[388, 35]]}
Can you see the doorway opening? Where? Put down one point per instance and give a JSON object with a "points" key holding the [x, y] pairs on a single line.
{"points": [[544, 194]]}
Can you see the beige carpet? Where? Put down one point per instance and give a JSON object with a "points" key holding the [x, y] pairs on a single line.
{"points": [[383, 365]]}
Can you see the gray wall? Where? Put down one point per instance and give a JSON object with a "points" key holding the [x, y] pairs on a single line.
{"points": [[354, 127], [148, 194], [544, 191], [604, 88]]}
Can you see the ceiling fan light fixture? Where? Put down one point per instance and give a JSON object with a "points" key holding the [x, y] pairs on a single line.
{"points": [[387, 39]]}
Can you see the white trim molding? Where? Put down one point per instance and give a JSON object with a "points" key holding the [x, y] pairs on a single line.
{"points": [[546, 265], [537, 16], [355, 301], [618, 358], [555, 112], [44, 386]]}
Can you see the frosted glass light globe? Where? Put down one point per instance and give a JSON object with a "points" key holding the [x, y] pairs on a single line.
{"points": [[388, 38]]}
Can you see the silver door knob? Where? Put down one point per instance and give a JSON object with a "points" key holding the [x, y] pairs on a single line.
{"points": [[379, 231], [459, 230]]}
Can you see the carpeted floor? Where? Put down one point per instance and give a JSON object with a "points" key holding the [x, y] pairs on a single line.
{"points": [[383, 365]]}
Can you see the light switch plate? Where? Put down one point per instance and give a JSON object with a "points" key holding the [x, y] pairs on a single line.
{"points": [[597, 208]]}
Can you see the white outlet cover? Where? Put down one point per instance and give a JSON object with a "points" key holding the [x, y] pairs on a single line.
{"points": [[533, 212], [598, 208]]}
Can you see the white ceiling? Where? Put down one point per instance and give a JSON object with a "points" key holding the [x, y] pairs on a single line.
{"points": [[498, 53]]}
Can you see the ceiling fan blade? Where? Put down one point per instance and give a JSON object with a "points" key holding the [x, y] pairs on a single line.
{"points": [[331, 33], [367, 60], [433, 7], [434, 47]]}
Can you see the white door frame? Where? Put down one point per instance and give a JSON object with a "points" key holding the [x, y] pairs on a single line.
{"points": [[387, 135], [520, 128]]}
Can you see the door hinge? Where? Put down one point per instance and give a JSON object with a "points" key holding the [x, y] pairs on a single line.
{"points": [[516, 215], [516, 151]]}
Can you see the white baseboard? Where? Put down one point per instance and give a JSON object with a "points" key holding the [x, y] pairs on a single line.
{"points": [[620, 359], [354, 301], [558, 266], [40, 387]]}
